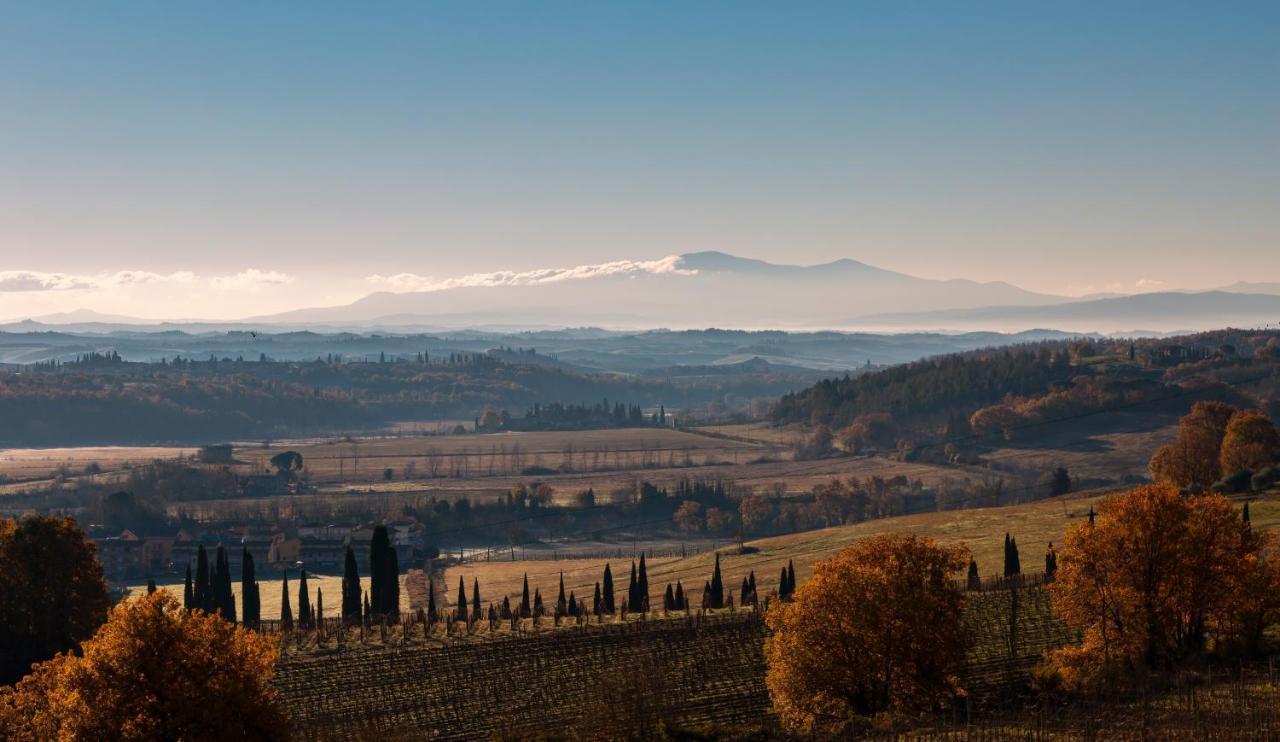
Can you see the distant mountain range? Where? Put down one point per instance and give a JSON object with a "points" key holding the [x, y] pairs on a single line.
{"points": [[704, 289], [715, 289]]}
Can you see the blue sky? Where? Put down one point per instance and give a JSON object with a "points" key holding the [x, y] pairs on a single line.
{"points": [[237, 158]]}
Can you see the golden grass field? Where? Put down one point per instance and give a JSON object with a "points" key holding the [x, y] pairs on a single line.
{"points": [[26, 467], [1034, 525], [269, 592]]}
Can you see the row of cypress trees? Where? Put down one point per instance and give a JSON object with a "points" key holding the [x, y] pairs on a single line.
{"points": [[210, 590]]}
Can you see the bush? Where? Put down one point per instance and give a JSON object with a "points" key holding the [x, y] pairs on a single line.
{"points": [[1237, 481]]}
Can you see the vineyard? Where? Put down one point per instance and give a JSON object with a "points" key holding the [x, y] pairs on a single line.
{"points": [[692, 671]]}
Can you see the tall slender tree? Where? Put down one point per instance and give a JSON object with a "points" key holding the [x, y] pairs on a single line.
{"points": [[680, 605], [562, 608], [642, 585], [717, 586], [596, 605], [201, 594], [608, 605], [525, 609], [188, 595], [319, 617], [462, 601], [304, 603], [250, 606], [286, 610], [633, 591], [791, 577], [350, 589], [974, 582], [475, 598]]}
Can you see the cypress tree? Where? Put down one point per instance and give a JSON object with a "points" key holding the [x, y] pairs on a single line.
{"points": [[679, 597], [319, 620], [669, 599], [286, 611], [751, 581], [151, 585], [706, 595], [782, 584], [379, 571], [633, 592], [745, 591], [573, 605], [304, 603], [350, 589], [368, 610], [506, 608], [561, 607], [251, 608], [609, 607], [1091, 514], [475, 598], [462, 601], [201, 593], [791, 578], [596, 605], [642, 585], [226, 597], [717, 586], [393, 587], [1015, 561], [432, 615], [1050, 563], [1008, 559], [975, 582], [188, 597], [537, 602], [525, 610]]}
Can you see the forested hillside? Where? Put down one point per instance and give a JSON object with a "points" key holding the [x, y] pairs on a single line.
{"points": [[1009, 386], [103, 399]]}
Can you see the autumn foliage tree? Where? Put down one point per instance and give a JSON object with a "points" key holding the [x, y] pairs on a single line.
{"points": [[153, 671], [877, 629], [1193, 456], [1249, 442], [52, 594], [1157, 577]]}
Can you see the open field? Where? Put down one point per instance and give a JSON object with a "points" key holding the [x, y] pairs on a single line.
{"points": [[269, 591], [982, 530], [499, 578], [489, 454], [22, 467]]}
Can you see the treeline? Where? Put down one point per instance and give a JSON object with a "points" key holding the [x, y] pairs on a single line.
{"points": [[570, 416], [928, 388], [998, 391], [101, 399]]}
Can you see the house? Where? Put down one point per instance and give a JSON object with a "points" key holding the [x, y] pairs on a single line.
{"points": [[121, 556], [322, 553], [325, 531], [157, 553]]}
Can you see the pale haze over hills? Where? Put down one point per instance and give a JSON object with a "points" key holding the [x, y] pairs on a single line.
{"points": [[716, 289]]}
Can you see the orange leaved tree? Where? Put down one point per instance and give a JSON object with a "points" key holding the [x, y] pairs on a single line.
{"points": [[876, 629], [153, 671], [1159, 576], [1250, 442], [1192, 458]]}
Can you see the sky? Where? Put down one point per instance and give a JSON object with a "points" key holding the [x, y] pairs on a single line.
{"points": [[219, 160]]}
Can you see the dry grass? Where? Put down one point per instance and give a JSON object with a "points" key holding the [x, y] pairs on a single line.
{"points": [[364, 460], [27, 467], [269, 591]]}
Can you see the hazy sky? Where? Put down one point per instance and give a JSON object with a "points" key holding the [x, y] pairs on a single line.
{"points": [[223, 159]]}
